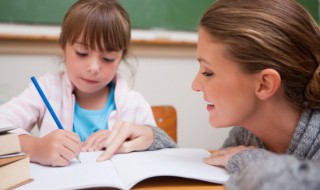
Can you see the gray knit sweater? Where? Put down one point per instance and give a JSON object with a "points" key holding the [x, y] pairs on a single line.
{"points": [[299, 168], [271, 171], [260, 169], [161, 140]]}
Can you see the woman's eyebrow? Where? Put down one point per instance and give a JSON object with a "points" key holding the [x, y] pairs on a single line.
{"points": [[203, 61]]}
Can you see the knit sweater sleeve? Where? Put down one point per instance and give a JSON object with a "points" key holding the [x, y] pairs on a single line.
{"points": [[270, 171], [161, 140], [243, 158]]}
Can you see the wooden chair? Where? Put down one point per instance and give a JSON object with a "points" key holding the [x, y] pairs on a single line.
{"points": [[166, 118]]}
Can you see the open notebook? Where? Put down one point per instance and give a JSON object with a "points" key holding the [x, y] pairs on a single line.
{"points": [[123, 171]]}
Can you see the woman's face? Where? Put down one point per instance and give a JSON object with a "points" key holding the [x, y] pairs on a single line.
{"points": [[228, 91]]}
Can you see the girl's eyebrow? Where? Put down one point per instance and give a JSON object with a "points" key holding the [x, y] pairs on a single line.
{"points": [[86, 46], [80, 43]]}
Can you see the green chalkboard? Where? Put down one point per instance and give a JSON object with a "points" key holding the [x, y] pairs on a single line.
{"points": [[144, 14]]}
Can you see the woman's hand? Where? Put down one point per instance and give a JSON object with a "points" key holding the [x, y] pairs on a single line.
{"points": [[96, 141], [127, 137], [221, 157], [55, 149]]}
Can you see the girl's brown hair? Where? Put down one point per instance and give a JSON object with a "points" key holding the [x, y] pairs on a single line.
{"points": [[277, 34], [101, 24]]}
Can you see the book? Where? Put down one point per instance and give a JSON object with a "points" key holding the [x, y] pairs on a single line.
{"points": [[123, 171], [14, 170], [9, 142]]}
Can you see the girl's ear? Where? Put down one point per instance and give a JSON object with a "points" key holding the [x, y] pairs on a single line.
{"points": [[269, 83]]}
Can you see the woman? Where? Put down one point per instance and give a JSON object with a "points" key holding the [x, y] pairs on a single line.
{"points": [[259, 71]]}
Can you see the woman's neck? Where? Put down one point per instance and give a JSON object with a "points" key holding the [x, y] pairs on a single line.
{"points": [[275, 126]]}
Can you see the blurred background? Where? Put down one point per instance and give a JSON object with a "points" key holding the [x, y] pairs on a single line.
{"points": [[163, 51]]}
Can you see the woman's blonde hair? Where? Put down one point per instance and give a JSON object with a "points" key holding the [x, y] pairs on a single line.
{"points": [[277, 34], [101, 24]]}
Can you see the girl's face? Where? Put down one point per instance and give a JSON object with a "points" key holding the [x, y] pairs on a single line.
{"points": [[229, 92], [90, 71]]}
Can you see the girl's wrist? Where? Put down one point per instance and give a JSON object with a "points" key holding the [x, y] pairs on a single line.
{"points": [[30, 145]]}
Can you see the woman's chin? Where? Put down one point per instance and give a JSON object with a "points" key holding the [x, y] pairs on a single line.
{"points": [[216, 124]]}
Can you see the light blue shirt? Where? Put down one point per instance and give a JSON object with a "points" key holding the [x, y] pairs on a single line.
{"points": [[86, 122]]}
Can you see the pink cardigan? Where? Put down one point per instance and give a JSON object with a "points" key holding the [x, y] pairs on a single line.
{"points": [[27, 110]]}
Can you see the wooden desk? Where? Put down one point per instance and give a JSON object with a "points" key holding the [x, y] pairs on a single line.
{"points": [[172, 183]]}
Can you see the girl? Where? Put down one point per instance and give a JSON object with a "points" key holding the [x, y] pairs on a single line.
{"points": [[90, 96]]}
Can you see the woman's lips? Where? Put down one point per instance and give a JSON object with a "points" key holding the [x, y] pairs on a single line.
{"points": [[210, 107]]}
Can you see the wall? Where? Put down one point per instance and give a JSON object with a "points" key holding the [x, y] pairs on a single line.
{"points": [[164, 75], [168, 81]]}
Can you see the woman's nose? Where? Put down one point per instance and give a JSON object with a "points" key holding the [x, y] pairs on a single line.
{"points": [[196, 83]]}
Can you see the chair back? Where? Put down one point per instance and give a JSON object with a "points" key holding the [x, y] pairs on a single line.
{"points": [[166, 119]]}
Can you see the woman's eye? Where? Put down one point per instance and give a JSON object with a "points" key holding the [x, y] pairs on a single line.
{"points": [[81, 54], [207, 74]]}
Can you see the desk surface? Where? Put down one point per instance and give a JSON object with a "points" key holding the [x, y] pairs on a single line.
{"points": [[172, 183]]}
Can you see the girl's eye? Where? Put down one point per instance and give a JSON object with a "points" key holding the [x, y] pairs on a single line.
{"points": [[80, 54], [108, 60], [207, 74]]}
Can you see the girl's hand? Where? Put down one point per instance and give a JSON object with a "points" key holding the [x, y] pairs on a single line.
{"points": [[96, 141], [127, 137], [55, 149], [221, 157]]}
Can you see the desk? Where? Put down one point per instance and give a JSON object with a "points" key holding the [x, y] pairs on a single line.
{"points": [[172, 183]]}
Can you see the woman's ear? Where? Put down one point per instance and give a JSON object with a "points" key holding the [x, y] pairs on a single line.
{"points": [[269, 82]]}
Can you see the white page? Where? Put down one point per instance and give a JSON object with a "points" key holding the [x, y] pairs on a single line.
{"points": [[131, 169], [177, 162], [88, 173]]}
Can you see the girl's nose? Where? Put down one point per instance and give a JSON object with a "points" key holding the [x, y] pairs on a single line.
{"points": [[93, 66]]}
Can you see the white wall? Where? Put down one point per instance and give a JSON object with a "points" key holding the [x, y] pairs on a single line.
{"points": [[164, 76], [168, 81], [17, 69], [160, 80]]}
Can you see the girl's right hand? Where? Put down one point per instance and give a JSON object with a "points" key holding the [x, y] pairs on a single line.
{"points": [[55, 149]]}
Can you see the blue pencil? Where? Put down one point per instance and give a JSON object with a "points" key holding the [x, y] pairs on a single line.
{"points": [[46, 102]]}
